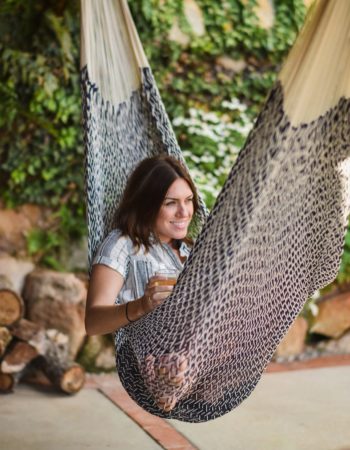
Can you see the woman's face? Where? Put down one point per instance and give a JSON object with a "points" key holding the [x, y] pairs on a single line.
{"points": [[176, 212]]}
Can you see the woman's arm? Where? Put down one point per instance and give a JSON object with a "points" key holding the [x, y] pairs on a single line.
{"points": [[102, 315]]}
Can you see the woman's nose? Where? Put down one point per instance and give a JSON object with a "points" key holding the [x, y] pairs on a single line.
{"points": [[181, 210]]}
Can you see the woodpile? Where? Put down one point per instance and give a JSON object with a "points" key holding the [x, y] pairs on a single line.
{"points": [[293, 342], [333, 316], [28, 351], [57, 300]]}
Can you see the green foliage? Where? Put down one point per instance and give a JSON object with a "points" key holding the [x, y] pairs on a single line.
{"points": [[41, 244], [344, 271], [93, 347], [40, 116], [40, 113]]}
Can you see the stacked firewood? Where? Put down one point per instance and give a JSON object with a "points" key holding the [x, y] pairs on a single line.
{"points": [[30, 352]]}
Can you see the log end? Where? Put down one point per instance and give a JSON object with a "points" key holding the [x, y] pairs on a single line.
{"points": [[7, 383], [11, 307], [73, 379]]}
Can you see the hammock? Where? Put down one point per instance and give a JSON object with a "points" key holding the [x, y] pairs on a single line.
{"points": [[274, 236]]}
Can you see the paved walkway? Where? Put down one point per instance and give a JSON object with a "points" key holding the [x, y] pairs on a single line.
{"points": [[294, 407]]}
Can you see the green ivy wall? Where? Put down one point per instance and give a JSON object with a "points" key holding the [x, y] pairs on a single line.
{"points": [[214, 63]]}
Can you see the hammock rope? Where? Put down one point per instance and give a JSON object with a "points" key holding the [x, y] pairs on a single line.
{"points": [[274, 236]]}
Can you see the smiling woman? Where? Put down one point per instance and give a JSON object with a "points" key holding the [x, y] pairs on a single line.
{"points": [[176, 212], [133, 269], [274, 236], [150, 236]]}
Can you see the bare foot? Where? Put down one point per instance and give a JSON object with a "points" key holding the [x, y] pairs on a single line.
{"points": [[168, 378], [172, 367]]}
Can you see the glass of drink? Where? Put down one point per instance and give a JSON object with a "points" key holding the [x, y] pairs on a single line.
{"points": [[169, 277]]}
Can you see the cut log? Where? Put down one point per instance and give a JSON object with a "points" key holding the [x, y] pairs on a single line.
{"points": [[66, 375], [293, 342], [35, 348], [5, 339], [25, 330], [11, 307], [8, 381], [57, 347], [42, 340], [333, 317], [31, 332], [34, 375], [57, 300], [69, 377], [17, 357]]}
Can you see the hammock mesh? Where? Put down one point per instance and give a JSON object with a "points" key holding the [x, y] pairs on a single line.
{"points": [[274, 236]]}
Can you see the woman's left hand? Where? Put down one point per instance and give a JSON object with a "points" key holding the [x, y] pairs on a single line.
{"points": [[157, 290]]}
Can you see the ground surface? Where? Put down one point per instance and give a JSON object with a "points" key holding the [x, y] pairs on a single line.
{"points": [[294, 407]]}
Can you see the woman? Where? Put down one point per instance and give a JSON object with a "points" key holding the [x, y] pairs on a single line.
{"points": [[151, 235]]}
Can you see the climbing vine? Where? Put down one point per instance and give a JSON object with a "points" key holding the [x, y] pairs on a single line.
{"points": [[212, 85]]}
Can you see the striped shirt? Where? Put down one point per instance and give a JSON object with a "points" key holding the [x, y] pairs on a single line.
{"points": [[136, 267]]}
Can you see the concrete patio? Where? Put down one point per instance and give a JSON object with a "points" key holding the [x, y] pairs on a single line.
{"points": [[304, 409]]}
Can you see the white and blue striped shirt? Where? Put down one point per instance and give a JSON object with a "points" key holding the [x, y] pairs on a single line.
{"points": [[136, 267]]}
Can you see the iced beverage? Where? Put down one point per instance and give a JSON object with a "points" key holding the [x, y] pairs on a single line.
{"points": [[170, 277]]}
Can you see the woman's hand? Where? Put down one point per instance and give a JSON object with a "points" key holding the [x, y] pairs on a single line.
{"points": [[156, 293]]}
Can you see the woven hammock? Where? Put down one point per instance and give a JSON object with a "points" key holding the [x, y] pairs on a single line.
{"points": [[274, 236]]}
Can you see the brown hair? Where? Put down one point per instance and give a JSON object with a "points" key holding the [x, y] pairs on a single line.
{"points": [[144, 194]]}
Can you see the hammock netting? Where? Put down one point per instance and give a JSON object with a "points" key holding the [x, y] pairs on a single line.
{"points": [[274, 236]]}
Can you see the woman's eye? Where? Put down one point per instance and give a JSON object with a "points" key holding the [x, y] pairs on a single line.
{"points": [[173, 202]]}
